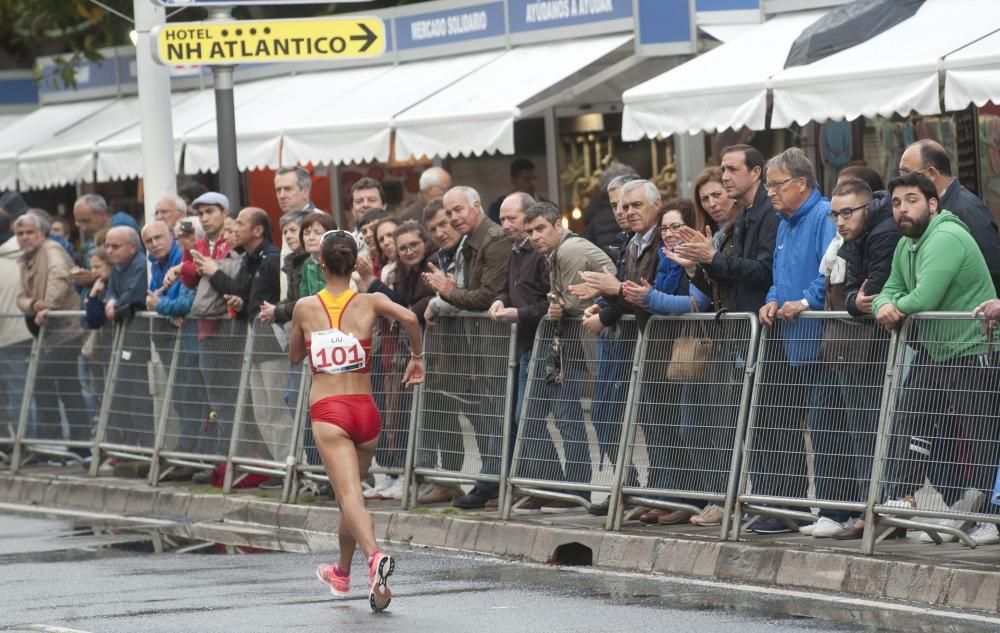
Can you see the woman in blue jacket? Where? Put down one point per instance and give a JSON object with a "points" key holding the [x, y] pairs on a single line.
{"points": [[670, 410]]}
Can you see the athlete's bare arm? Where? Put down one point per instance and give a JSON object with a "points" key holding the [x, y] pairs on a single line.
{"points": [[386, 308], [297, 341]]}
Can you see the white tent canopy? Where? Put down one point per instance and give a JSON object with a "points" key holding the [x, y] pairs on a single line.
{"points": [[724, 88], [120, 156], [259, 121], [894, 72], [972, 74], [68, 157], [37, 127], [475, 115], [357, 129]]}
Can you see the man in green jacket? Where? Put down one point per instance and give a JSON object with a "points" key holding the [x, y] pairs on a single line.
{"points": [[937, 266]]}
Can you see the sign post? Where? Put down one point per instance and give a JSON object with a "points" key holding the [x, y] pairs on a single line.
{"points": [[159, 175], [225, 122]]}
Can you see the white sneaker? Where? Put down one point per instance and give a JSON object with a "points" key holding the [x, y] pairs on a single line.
{"points": [[394, 490], [985, 534], [905, 502], [826, 527], [376, 491], [807, 529]]}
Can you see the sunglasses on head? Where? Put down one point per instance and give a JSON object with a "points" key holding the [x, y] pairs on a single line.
{"points": [[335, 233]]}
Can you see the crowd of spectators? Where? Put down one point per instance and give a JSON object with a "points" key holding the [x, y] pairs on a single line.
{"points": [[772, 244]]}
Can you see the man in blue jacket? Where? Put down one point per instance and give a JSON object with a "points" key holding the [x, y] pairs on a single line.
{"points": [[174, 301], [778, 455]]}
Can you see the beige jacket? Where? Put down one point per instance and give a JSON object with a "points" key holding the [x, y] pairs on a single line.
{"points": [[12, 327], [573, 255], [46, 275]]}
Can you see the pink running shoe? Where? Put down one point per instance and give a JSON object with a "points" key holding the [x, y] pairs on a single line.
{"points": [[380, 567], [338, 580]]}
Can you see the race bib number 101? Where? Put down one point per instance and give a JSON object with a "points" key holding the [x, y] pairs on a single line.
{"points": [[334, 352]]}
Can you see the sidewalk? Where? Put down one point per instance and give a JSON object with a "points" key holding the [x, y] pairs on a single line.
{"points": [[948, 575]]}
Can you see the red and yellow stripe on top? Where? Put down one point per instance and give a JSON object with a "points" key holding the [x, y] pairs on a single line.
{"points": [[335, 305]]}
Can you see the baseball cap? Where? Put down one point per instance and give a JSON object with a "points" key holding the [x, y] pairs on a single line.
{"points": [[211, 197]]}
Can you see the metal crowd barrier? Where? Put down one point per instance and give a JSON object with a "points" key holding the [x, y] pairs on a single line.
{"points": [[462, 411], [127, 426], [199, 401], [939, 448], [568, 424], [813, 420], [16, 344], [68, 363], [265, 430], [689, 403], [826, 414]]}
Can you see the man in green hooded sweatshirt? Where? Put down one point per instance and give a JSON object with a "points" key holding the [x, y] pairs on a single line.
{"points": [[949, 392]]}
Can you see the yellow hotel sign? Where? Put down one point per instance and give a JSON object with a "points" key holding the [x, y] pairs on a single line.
{"points": [[268, 41]]}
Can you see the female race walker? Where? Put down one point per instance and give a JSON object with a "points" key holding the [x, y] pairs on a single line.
{"points": [[334, 329]]}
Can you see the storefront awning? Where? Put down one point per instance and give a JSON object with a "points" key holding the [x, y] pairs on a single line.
{"points": [[724, 88], [68, 157], [38, 127], [120, 156], [894, 72], [358, 129], [475, 115], [282, 101], [972, 74]]}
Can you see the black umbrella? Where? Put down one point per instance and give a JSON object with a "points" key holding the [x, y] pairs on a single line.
{"points": [[846, 26]]}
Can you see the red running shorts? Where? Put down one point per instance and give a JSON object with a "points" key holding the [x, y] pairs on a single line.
{"points": [[355, 413]]}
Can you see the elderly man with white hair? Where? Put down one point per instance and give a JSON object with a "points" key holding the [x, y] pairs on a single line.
{"points": [[485, 252], [46, 285], [132, 414], [434, 182]]}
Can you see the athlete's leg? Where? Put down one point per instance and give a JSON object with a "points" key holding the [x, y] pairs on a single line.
{"points": [[347, 541], [344, 463]]}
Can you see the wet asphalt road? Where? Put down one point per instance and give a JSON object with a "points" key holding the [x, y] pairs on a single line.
{"points": [[58, 577]]}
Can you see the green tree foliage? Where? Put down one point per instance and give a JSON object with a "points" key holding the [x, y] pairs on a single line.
{"points": [[73, 31], [70, 30]]}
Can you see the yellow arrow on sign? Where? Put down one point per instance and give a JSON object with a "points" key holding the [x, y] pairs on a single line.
{"points": [[268, 41]]}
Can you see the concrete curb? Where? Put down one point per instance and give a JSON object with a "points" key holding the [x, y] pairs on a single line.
{"points": [[250, 521]]}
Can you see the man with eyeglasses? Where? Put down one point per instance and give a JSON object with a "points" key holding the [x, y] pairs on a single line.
{"points": [[929, 158], [847, 405], [778, 459]]}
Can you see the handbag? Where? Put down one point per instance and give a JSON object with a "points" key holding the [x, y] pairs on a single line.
{"points": [[89, 348], [690, 353], [845, 342]]}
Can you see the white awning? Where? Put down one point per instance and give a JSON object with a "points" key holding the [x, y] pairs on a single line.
{"points": [[37, 127], [475, 115], [68, 157], [7, 120], [727, 32], [894, 72], [358, 129], [120, 156], [724, 88], [972, 74], [283, 100]]}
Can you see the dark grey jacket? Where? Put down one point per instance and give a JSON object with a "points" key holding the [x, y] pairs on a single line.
{"points": [[747, 271], [971, 210], [869, 258]]}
